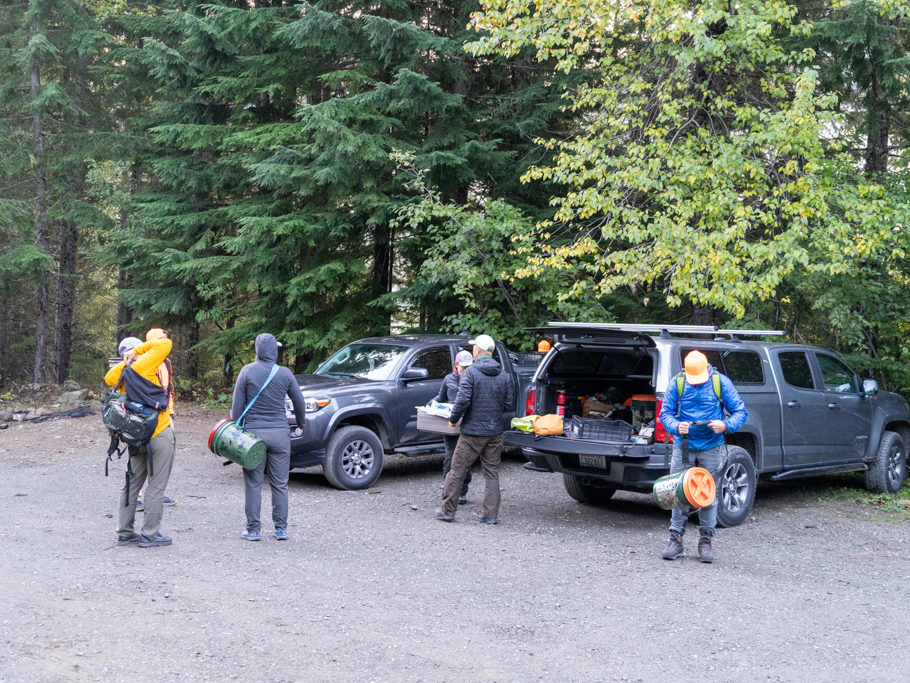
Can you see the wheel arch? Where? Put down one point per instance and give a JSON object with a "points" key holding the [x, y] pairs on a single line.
{"points": [[748, 442], [372, 421], [903, 430]]}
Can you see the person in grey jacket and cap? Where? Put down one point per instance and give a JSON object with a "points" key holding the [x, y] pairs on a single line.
{"points": [[485, 392], [267, 420]]}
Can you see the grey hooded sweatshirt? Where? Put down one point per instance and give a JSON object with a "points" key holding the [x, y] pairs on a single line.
{"points": [[268, 410]]}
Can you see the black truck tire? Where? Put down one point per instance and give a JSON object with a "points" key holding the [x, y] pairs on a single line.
{"points": [[735, 487], [353, 458], [887, 472], [586, 493]]}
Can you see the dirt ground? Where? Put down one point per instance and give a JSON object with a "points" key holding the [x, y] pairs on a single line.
{"points": [[370, 587]]}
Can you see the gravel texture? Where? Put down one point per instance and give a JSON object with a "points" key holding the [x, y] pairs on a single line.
{"points": [[371, 587]]}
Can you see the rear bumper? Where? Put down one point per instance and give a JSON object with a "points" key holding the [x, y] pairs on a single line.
{"points": [[627, 466]]}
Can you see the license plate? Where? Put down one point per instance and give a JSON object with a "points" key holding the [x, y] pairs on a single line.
{"points": [[598, 461]]}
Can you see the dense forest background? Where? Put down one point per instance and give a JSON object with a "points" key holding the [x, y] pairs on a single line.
{"points": [[330, 170]]}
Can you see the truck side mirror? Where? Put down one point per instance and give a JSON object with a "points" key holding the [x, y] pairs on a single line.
{"points": [[412, 374], [870, 387]]}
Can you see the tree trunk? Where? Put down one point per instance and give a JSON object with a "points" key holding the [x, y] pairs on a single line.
{"points": [[41, 226], [66, 299], [879, 132], [124, 312], [382, 271], [191, 354], [704, 315]]}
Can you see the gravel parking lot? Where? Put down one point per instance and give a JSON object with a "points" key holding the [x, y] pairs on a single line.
{"points": [[371, 587]]}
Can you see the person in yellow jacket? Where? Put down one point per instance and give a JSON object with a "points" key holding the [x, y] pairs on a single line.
{"points": [[153, 461], [165, 379]]}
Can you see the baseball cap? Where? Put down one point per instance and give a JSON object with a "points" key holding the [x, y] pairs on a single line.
{"points": [[155, 333], [464, 358], [127, 344], [696, 365], [484, 341]]}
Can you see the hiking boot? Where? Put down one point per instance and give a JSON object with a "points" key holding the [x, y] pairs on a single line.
{"points": [[674, 546], [126, 539], [705, 553], [443, 517], [250, 536], [483, 519], [159, 540], [281, 534]]}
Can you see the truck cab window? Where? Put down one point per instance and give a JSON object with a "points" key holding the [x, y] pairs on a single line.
{"points": [[744, 367], [795, 367], [437, 362], [836, 376], [713, 356]]}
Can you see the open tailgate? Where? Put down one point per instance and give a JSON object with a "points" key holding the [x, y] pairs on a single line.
{"points": [[564, 445]]}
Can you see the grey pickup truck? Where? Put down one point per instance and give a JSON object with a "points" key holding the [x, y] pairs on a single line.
{"points": [[361, 402], [809, 412]]}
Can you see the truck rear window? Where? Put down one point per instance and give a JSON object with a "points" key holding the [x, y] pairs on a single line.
{"points": [[591, 362], [742, 367]]}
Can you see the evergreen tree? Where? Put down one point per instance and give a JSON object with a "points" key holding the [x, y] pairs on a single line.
{"points": [[46, 48], [269, 191]]}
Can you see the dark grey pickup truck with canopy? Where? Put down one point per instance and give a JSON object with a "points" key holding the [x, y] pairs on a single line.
{"points": [[809, 412]]}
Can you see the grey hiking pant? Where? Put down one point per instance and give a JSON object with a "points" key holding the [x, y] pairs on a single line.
{"points": [[712, 460], [278, 462], [161, 449]]}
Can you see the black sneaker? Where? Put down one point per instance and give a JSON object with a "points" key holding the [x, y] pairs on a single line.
{"points": [[674, 546], [463, 500]]}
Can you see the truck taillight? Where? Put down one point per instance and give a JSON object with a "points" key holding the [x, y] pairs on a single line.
{"points": [[529, 401], [660, 434], [561, 403]]}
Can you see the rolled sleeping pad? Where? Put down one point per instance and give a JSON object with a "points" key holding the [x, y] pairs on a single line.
{"points": [[692, 487], [237, 445]]}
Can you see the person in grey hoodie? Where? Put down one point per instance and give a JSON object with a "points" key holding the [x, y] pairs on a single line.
{"points": [[484, 393], [267, 420]]}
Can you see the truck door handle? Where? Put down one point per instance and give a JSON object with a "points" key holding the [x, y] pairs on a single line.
{"points": [[833, 406], [793, 404]]}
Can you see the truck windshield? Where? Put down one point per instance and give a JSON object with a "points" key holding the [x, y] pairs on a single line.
{"points": [[369, 361]]}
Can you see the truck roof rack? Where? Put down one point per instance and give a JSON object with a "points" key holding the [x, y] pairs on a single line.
{"points": [[667, 330], [751, 333]]}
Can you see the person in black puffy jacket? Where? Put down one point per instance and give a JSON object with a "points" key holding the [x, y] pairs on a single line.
{"points": [[484, 394], [447, 393]]}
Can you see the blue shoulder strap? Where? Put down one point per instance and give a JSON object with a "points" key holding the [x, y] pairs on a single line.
{"points": [[250, 404]]}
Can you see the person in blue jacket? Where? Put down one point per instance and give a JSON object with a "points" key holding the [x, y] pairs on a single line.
{"points": [[705, 395]]}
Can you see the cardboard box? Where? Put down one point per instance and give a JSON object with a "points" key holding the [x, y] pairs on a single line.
{"points": [[434, 423]]}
